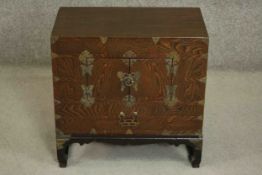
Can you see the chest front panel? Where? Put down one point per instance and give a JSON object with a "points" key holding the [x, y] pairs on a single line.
{"points": [[143, 86]]}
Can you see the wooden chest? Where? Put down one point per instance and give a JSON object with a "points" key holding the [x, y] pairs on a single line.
{"points": [[129, 75]]}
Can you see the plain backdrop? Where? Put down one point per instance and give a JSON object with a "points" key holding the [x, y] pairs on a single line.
{"points": [[232, 121], [234, 28]]}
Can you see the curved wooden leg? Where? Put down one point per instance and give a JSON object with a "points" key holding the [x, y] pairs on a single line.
{"points": [[62, 152], [195, 152]]}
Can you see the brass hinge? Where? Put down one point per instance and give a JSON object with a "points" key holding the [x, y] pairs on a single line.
{"points": [[170, 95], [86, 60], [87, 99], [172, 61]]}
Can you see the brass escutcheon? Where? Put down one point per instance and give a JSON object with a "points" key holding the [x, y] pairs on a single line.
{"points": [[128, 79]]}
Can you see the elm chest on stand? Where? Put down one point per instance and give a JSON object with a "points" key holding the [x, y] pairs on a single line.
{"points": [[129, 76]]}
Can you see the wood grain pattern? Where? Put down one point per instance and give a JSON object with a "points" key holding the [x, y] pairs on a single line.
{"points": [[153, 79], [154, 116], [105, 80], [154, 119]]}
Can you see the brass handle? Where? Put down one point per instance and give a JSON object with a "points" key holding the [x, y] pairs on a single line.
{"points": [[128, 121]]}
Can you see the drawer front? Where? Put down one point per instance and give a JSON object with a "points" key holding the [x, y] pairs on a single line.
{"points": [[157, 89]]}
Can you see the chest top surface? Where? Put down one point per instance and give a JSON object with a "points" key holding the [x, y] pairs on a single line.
{"points": [[129, 22]]}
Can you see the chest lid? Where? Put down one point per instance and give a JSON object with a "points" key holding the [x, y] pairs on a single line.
{"points": [[129, 22], [122, 32]]}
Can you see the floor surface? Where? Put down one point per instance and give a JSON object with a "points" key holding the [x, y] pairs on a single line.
{"points": [[232, 131]]}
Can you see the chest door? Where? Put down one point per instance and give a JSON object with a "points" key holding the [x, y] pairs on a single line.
{"points": [[167, 94], [88, 93]]}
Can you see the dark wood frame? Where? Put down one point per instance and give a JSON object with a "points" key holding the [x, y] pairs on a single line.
{"points": [[192, 143]]}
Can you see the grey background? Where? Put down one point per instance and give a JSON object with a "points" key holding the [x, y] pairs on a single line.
{"points": [[234, 26], [232, 124]]}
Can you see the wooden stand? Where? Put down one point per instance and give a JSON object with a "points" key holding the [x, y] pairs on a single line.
{"points": [[193, 145]]}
